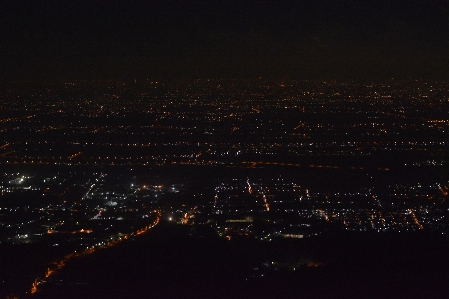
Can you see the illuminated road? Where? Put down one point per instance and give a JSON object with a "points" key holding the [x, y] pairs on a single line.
{"points": [[415, 220], [265, 202], [58, 265]]}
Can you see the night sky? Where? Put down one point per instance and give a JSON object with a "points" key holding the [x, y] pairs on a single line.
{"points": [[224, 39]]}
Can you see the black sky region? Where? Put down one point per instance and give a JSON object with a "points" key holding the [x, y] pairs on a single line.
{"points": [[224, 39]]}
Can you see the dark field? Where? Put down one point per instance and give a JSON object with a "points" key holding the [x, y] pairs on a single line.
{"points": [[172, 261]]}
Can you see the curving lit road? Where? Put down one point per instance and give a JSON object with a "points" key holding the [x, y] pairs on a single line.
{"points": [[58, 265]]}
